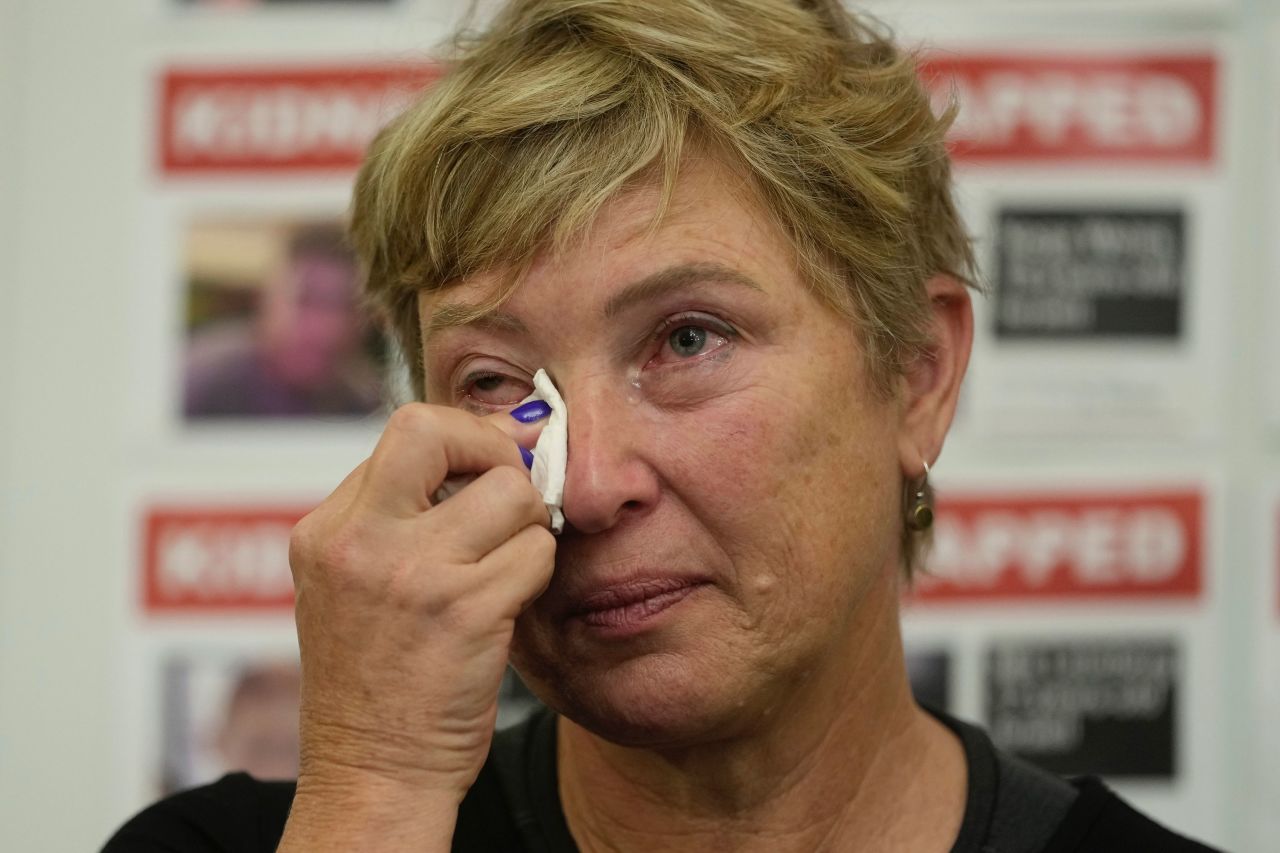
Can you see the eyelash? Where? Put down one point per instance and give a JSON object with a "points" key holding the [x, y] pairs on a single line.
{"points": [[463, 391], [701, 321], [660, 337]]}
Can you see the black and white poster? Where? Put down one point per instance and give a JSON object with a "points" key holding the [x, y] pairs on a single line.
{"points": [[1090, 273], [1106, 707], [930, 673]]}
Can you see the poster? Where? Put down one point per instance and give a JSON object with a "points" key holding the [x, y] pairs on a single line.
{"points": [[216, 679], [1115, 152], [227, 711], [275, 325], [292, 120], [218, 559], [1092, 181], [1051, 109], [1269, 264], [1264, 747], [1087, 274], [1105, 706], [1043, 545], [252, 333], [1047, 587], [929, 671]]}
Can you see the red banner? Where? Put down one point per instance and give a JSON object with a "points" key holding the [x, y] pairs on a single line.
{"points": [[217, 560], [1152, 108], [1071, 545], [279, 119]]}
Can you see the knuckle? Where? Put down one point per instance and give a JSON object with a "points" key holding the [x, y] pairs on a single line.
{"points": [[542, 546], [511, 481], [337, 555], [536, 507], [413, 418], [305, 543], [492, 432], [300, 543], [404, 587]]}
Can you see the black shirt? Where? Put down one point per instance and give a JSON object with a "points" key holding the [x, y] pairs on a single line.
{"points": [[514, 805]]}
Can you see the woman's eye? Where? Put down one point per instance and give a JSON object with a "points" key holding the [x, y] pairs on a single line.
{"points": [[688, 341], [494, 389]]}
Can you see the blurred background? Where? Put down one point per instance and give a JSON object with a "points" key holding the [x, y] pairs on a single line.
{"points": [[184, 373]]}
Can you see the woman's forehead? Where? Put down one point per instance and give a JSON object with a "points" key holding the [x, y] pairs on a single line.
{"points": [[710, 225], [448, 309]]}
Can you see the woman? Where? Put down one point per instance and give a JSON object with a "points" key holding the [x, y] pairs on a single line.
{"points": [[725, 229]]}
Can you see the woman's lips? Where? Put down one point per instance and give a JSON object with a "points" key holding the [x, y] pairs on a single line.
{"points": [[631, 604]]}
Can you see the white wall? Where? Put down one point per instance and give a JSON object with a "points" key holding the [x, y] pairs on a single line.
{"points": [[77, 200], [9, 172], [68, 241]]}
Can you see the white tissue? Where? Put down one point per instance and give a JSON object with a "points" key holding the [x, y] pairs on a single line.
{"points": [[550, 455]]}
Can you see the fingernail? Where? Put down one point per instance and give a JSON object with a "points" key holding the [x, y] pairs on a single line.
{"points": [[527, 456], [532, 411]]}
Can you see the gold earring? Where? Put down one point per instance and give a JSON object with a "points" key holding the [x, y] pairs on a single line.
{"points": [[920, 513]]}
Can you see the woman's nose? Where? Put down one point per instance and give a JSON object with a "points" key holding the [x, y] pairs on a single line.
{"points": [[609, 477]]}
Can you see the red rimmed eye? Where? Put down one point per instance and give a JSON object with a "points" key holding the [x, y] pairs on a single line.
{"points": [[495, 389], [689, 337]]}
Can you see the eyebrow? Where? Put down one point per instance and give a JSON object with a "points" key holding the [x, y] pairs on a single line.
{"points": [[672, 279], [451, 315]]}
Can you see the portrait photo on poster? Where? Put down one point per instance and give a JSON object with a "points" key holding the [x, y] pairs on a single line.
{"points": [[225, 713], [273, 323]]}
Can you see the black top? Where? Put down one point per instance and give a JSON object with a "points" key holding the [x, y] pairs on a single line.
{"points": [[514, 805]]}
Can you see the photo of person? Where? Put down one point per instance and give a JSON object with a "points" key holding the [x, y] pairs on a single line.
{"points": [[226, 715], [274, 324], [239, 714]]}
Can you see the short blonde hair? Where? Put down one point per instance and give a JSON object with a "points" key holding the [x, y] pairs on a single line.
{"points": [[545, 116]]}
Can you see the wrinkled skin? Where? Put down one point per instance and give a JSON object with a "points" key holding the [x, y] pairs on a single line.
{"points": [[725, 593], [763, 465]]}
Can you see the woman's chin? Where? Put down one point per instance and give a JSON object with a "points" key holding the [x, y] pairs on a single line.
{"points": [[653, 701]]}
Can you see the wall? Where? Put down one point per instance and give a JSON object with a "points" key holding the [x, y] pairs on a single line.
{"points": [[92, 235]]}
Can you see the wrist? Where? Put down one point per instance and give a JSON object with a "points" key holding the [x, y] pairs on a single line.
{"points": [[361, 811]]}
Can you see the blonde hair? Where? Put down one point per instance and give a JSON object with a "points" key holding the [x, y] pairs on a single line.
{"points": [[560, 104]]}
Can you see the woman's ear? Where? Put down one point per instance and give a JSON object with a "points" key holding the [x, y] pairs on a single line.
{"points": [[932, 381]]}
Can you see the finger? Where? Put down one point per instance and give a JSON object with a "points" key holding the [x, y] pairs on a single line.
{"points": [[421, 445], [524, 423], [486, 513], [522, 565]]}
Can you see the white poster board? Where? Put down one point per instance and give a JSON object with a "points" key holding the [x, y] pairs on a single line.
{"points": [[1270, 265], [1266, 656], [1092, 180], [1037, 576]]}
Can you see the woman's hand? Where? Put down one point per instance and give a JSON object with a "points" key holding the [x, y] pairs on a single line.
{"points": [[405, 611]]}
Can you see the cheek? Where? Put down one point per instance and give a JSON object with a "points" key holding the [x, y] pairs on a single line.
{"points": [[794, 479]]}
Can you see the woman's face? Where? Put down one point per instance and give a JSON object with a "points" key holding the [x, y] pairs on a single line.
{"points": [[733, 484]]}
